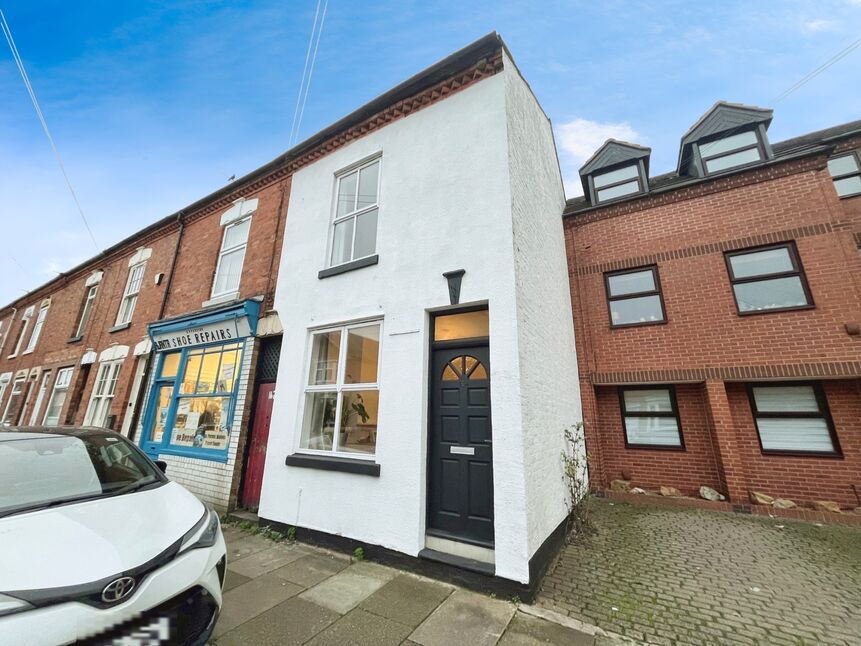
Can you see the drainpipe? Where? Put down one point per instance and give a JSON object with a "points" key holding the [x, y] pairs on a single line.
{"points": [[148, 366]]}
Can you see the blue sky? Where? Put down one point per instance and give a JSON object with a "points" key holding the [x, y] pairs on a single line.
{"points": [[155, 104]]}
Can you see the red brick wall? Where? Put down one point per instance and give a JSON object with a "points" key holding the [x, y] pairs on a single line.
{"points": [[53, 350], [686, 469], [804, 479], [201, 242], [685, 233]]}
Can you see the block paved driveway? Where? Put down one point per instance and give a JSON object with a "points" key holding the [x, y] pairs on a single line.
{"points": [[681, 576], [289, 593]]}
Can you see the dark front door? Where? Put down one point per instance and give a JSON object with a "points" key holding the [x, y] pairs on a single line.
{"points": [[253, 479], [460, 486]]}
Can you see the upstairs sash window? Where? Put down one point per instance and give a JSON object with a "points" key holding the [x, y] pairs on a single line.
{"points": [[354, 234]]}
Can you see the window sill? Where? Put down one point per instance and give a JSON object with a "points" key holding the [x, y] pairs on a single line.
{"points": [[223, 298], [778, 310], [349, 266], [657, 447], [831, 455], [120, 328], [621, 326], [197, 454], [75, 339], [326, 463]]}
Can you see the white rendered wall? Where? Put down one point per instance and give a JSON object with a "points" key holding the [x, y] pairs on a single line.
{"points": [[446, 202], [550, 388]]}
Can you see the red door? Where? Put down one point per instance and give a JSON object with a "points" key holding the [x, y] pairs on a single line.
{"points": [[257, 449]]}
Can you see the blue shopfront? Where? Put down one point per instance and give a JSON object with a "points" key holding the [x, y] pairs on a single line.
{"points": [[198, 383]]}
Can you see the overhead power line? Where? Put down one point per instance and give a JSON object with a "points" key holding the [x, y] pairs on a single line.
{"points": [[308, 70], [7, 32], [839, 55]]}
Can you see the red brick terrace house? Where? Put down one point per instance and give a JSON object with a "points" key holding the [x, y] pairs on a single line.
{"points": [[717, 311]]}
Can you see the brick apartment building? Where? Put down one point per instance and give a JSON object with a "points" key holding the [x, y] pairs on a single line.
{"points": [[717, 311]]}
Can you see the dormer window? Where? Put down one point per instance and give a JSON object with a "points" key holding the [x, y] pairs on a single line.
{"points": [[617, 183], [616, 170], [728, 136], [730, 151]]}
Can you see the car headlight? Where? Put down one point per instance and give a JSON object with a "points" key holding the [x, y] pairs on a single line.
{"points": [[11, 605], [203, 534]]}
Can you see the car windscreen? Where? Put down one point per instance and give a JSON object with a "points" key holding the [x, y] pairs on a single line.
{"points": [[38, 471]]}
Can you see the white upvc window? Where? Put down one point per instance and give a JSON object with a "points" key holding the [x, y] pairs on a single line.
{"points": [[87, 308], [342, 395], [130, 295], [22, 330], [228, 271], [58, 397], [37, 328], [354, 229], [103, 393], [40, 397], [13, 405]]}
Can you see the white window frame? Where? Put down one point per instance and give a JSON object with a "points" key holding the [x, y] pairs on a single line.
{"points": [[338, 388], [89, 300], [354, 215], [25, 323], [228, 250], [129, 295], [59, 387], [19, 384], [37, 328], [104, 390], [40, 397]]}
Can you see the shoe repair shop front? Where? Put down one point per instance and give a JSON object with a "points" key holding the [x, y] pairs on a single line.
{"points": [[197, 394]]}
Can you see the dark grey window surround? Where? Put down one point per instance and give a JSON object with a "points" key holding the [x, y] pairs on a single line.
{"points": [[855, 173], [761, 145], [797, 271], [326, 463], [349, 266], [641, 178]]}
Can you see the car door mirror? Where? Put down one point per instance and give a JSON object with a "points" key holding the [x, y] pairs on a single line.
{"points": [[161, 464]]}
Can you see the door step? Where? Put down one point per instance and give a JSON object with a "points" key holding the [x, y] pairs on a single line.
{"points": [[457, 548], [488, 569]]}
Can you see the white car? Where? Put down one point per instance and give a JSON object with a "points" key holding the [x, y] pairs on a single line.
{"points": [[98, 546]]}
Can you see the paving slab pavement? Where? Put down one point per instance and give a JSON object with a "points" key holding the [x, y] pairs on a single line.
{"points": [[287, 593], [465, 618]]}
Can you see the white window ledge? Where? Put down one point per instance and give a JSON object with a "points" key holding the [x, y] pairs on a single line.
{"points": [[224, 298]]}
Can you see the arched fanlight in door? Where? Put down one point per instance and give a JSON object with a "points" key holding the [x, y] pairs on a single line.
{"points": [[464, 366]]}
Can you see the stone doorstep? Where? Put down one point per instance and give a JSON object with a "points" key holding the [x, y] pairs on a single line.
{"points": [[810, 515]]}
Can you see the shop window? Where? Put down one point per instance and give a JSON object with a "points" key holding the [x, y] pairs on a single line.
{"points": [[102, 397], [846, 173], [58, 397], [193, 401], [354, 231], [650, 417], [793, 418], [37, 328], [130, 294], [228, 271], [634, 297], [768, 279], [342, 395]]}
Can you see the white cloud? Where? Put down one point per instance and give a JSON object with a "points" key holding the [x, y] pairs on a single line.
{"points": [[820, 25], [578, 139]]}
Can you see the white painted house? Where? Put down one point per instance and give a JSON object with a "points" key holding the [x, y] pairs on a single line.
{"points": [[428, 366]]}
